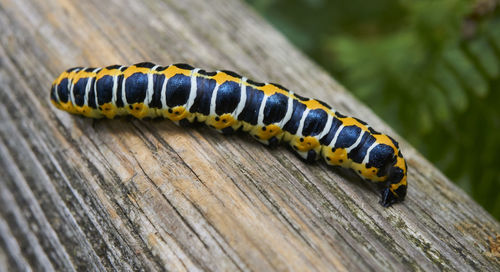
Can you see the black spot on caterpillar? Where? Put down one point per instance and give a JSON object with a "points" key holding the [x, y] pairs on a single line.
{"points": [[228, 102]]}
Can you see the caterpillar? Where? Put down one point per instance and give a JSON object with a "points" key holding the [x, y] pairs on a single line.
{"points": [[228, 102]]}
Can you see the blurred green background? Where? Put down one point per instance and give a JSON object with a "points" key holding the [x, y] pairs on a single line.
{"points": [[431, 69]]}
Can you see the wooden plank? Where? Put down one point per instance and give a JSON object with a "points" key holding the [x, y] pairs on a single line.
{"points": [[128, 194]]}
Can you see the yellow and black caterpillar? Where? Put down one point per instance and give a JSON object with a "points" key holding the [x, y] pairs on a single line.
{"points": [[227, 102]]}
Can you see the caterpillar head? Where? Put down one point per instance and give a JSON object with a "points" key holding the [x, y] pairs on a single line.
{"points": [[396, 183]]}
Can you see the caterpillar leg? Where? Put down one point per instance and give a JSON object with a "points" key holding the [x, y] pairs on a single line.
{"points": [[335, 156], [307, 156], [225, 123], [109, 110], [269, 135], [306, 147], [179, 115], [138, 110], [186, 123]]}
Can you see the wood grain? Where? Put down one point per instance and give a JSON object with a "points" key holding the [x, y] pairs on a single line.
{"points": [[126, 194]]}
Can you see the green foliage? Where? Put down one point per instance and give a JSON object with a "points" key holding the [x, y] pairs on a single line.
{"points": [[429, 68]]}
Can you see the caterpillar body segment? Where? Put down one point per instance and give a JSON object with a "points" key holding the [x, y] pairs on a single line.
{"points": [[228, 102]]}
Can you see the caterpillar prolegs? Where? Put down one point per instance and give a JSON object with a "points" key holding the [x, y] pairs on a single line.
{"points": [[228, 102]]}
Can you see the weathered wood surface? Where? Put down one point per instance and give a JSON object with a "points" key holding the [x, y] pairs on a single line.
{"points": [[128, 194]]}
